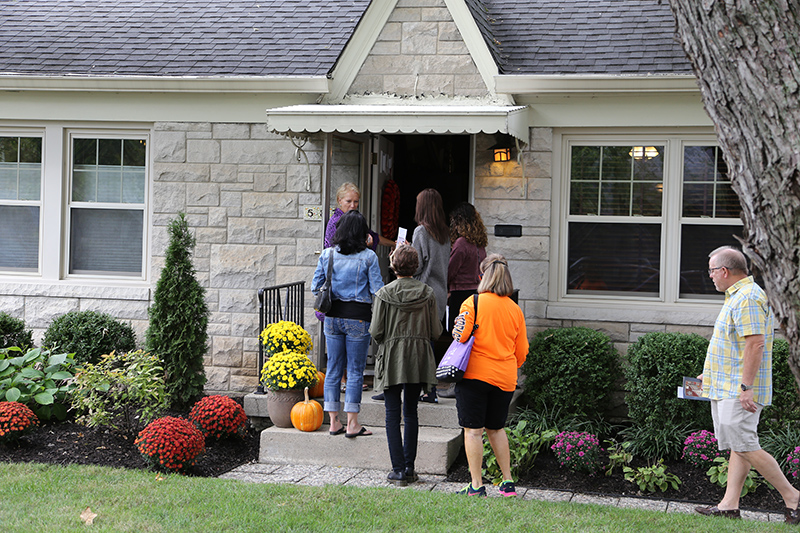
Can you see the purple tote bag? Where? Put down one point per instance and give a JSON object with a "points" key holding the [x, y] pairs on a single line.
{"points": [[454, 363]]}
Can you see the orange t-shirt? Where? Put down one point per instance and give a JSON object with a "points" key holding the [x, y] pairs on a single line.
{"points": [[501, 340]]}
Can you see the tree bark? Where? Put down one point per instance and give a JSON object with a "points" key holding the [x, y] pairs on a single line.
{"points": [[746, 56]]}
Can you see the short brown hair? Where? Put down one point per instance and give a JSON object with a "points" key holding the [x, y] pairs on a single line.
{"points": [[496, 276], [404, 261]]}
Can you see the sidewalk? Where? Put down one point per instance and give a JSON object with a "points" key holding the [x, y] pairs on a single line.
{"points": [[317, 476]]}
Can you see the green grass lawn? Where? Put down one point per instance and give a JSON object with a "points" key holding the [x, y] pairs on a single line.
{"points": [[45, 498]]}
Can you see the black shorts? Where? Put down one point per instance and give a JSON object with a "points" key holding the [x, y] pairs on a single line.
{"points": [[481, 405]]}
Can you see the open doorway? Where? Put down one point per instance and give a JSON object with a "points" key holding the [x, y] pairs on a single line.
{"points": [[441, 162]]}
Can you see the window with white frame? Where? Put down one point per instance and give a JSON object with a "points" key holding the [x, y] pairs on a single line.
{"points": [[20, 202], [106, 209], [643, 214]]}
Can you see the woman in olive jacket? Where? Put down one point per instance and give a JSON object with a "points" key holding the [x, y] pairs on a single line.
{"points": [[404, 322]]}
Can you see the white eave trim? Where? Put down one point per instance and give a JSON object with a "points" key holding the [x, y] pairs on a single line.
{"points": [[591, 83], [181, 84], [455, 119]]}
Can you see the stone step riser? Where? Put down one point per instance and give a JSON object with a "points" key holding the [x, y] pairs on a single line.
{"points": [[436, 450]]}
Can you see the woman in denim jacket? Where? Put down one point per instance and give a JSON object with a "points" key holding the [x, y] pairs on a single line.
{"points": [[356, 277]]}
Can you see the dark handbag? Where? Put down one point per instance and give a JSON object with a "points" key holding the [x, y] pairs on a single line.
{"points": [[454, 363], [324, 298]]}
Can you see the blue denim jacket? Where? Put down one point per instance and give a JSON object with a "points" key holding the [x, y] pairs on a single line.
{"points": [[356, 277]]}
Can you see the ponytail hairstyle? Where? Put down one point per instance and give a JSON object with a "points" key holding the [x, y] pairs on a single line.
{"points": [[495, 277]]}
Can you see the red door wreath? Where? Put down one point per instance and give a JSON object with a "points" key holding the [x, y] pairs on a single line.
{"points": [[390, 209]]}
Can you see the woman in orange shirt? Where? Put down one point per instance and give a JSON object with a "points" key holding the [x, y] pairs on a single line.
{"points": [[484, 394]]}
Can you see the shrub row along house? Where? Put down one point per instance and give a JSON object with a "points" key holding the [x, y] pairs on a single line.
{"points": [[248, 115]]}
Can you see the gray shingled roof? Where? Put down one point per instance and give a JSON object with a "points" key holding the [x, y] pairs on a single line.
{"points": [[305, 37], [633, 37], [175, 38]]}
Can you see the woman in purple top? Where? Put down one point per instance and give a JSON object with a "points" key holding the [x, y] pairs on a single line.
{"points": [[347, 198], [468, 235]]}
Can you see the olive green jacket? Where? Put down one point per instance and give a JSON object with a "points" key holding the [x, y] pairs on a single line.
{"points": [[404, 323]]}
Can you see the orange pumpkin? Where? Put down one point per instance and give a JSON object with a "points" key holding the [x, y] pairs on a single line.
{"points": [[307, 415], [318, 390]]}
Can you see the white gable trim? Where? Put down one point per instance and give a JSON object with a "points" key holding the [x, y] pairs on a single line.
{"points": [[358, 47], [457, 119], [476, 45]]}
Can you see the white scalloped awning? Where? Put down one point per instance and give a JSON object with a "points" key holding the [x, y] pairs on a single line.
{"points": [[512, 120]]}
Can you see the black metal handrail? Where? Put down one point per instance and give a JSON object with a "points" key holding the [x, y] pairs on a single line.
{"points": [[271, 309]]}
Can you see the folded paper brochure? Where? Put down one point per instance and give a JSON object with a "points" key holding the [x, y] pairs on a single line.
{"points": [[692, 389]]}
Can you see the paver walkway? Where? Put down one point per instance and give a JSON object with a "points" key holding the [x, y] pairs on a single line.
{"points": [[313, 475]]}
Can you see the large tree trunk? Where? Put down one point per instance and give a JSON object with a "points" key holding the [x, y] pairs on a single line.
{"points": [[746, 57]]}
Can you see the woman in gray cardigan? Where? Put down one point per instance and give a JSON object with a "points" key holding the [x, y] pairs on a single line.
{"points": [[432, 242]]}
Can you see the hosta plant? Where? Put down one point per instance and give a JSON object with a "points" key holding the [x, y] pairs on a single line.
{"points": [[718, 474], [652, 478], [15, 421], [218, 416], [700, 449], [578, 451], [37, 378], [170, 443]]}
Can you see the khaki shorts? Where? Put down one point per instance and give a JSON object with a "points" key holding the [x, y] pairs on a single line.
{"points": [[734, 427]]}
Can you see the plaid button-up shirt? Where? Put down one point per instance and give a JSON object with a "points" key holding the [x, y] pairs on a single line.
{"points": [[746, 312]]}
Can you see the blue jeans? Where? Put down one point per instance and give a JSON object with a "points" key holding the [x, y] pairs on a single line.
{"points": [[348, 342], [402, 451]]}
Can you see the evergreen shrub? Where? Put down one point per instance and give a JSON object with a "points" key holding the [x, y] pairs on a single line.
{"points": [[179, 319], [785, 408], [658, 362], [89, 335], [13, 333], [572, 368]]}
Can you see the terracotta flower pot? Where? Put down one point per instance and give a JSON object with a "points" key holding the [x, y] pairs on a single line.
{"points": [[279, 406]]}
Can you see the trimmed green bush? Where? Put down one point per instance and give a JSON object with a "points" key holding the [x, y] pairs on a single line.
{"points": [[12, 332], [179, 319], [658, 363], [572, 368], [89, 335], [785, 407]]}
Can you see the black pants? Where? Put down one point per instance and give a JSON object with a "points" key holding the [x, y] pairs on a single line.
{"points": [[454, 306], [402, 450]]}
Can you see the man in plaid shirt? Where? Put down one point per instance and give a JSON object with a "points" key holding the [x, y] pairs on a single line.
{"points": [[737, 377]]}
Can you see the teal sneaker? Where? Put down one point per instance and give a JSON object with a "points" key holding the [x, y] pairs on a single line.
{"points": [[469, 491], [508, 489]]}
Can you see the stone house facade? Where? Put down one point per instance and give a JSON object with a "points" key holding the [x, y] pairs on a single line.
{"points": [[246, 155]]}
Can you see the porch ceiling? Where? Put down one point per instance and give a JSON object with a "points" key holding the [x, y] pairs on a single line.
{"points": [[455, 119]]}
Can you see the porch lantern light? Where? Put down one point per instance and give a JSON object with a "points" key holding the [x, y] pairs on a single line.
{"points": [[502, 149], [643, 152]]}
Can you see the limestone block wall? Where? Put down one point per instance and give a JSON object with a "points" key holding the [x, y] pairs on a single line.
{"points": [[420, 52], [243, 191]]}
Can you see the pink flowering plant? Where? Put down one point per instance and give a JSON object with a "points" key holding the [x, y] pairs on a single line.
{"points": [[793, 463], [700, 449], [578, 451]]}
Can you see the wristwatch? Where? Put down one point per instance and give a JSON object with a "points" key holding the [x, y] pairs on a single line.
{"points": [[745, 387]]}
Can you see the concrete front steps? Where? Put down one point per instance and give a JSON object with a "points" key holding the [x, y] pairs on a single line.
{"points": [[440, 438]]}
